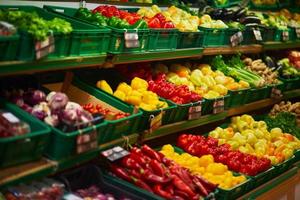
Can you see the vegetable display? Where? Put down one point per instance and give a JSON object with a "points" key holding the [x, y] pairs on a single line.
{"points": [[235, 69], [55, 109], [288, 107], [286, 69], [252, 137], [259, 67], [152, 171], [237, 161], [204, 166], [137, 94], [31, 22]]}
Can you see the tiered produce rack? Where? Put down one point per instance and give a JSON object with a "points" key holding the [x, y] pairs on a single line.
{"points": [[46, 167]]}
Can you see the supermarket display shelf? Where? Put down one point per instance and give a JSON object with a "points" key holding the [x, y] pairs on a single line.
{"points": [[155, 56], [272, 184], [281, 45], [230, 50], [19, 67], [184, 125], [28, 171]]}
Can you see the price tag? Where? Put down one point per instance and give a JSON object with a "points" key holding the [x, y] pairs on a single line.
{"points": [[115, 153], [195, 112], [285, 36], [236, 39], [257, 34], [86, 142], [218, 106], [43, 48], [298, 32], [155, 122], [276, 93], [131, 40]]}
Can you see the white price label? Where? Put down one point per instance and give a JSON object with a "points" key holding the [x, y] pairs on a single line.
{"points": [[115, 153], [285, 36], [131, 40], [236, 39], [43, 48], [86, 142], [195, 112], [257, 35], [298, 32], [218, 106]]}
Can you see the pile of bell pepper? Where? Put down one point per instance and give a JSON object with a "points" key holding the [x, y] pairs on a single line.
{"points": [[235, 160], [114, 17], [152, 171], [178, 94], [121, 18], [159, 21]]}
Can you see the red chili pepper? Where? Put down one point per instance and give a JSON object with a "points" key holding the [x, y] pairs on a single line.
{"points": [[138, 152], [182, 194], [120, 172], [151, 153], [139, 159], [134, 173], [142, 184], [178, 198], [157, 168], [130, 163], [149, 176], [180, 185], [170, 189], [208, 185], [183, 175], [158, 190], [201, 188]]}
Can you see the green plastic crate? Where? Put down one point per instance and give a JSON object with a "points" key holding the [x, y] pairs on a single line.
{"points": [[290, 84], [269, 34], [257, 94], [117, 41], [9, 47], [234, 192], [263, 177], [207, 106], [249, 37], [285, 3], [115, 128], [26, 49], [190, 40], [213, 37], [86, 39], [279, 86], [30, 147], [237, 98], [284, 166], [182, 111], [297, 155], [162, 39], [227, 35]]}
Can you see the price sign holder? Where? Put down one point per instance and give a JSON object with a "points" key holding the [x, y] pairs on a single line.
{"points": [[156, 121], [298, 32], [131, 40], [236, 39], [218, 105], [115, 153], [285, 36], [195, 111], [43, 48], [86, 142], [257, 35]]}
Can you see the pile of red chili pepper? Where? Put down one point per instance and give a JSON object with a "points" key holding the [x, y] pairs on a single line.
{"points": [[150, 170], [179, 94], [235, 160], [107, 113]]}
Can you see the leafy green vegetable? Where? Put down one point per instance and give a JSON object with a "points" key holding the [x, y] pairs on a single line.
{"points": [[31, 22], [286, 121]]}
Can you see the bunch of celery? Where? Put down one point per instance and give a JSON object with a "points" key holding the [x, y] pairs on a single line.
{"points": [[236, 69]]}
